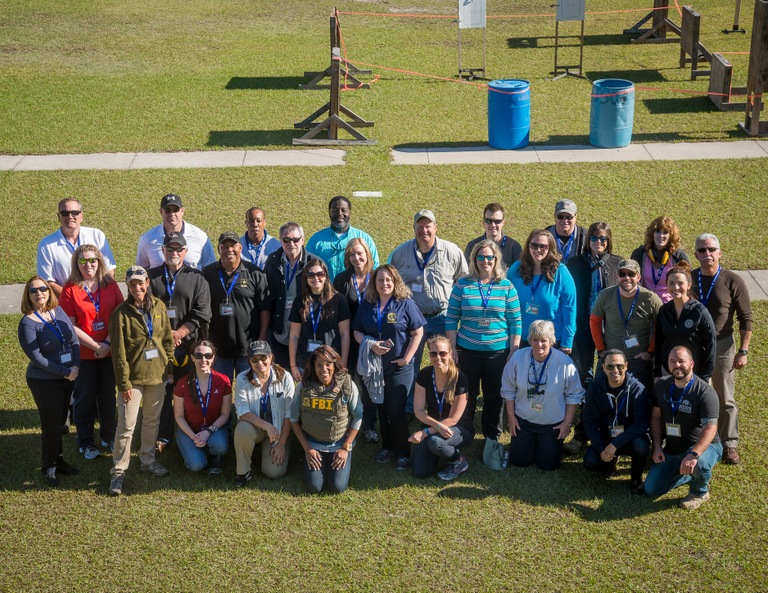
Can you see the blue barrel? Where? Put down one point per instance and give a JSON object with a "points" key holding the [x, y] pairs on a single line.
{"points": [[509, 113], [612, 113]]}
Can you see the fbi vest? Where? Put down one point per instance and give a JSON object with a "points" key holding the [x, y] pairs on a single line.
{"points": [[324, 411]]}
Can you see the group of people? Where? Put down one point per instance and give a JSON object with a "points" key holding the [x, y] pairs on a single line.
{"points": [[322, 340]]}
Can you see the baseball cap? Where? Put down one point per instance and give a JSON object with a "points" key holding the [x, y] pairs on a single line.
{"points": [[424, 214], [171, 200], [629, 264], [228, 236], [174, 237], [567, 206], [135, 273], [259, 348]]}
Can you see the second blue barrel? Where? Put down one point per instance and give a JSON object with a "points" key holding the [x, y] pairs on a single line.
{"points": [[612, 113], [509, 113]]}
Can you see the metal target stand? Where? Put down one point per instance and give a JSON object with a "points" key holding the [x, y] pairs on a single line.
{"points": [[471, 16], [569, 10], [736, 28]]}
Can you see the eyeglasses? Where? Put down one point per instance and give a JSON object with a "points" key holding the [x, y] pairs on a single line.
{"points": [[174, 249], [203, 355], [538, 246], [615, 367], [87, 260], [319, 275], [626, 274], [564, 217], [441, 354], [262, 358], [36, 289], [293, 240], [72, 213], [486, 257], [595, 239], [171, 209], [707, 249], [493, 220]]}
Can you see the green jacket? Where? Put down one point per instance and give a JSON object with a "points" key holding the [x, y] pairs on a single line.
{"points": [[130, 340]]}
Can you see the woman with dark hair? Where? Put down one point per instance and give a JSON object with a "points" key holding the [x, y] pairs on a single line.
{"points": [[325, 416], [89, 297], [320, 317], [684, 321], [656, 256], [389, 325], [592, 271], [48, 339], [202, 402], [351, 284], [142, 348], [440, 404], [483, 320], [545, 288]]}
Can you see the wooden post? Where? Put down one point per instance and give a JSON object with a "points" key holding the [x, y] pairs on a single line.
{"points": [[757, 81], [660, 23]]}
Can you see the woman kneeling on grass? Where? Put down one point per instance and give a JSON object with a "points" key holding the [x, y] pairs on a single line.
{"points": [[326, 415], [201, 405], [440, 403]]}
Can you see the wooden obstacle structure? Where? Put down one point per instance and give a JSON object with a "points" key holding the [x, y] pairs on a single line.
{"points": [[333, 108], [757, 82], [720, 90], [691, 49], [660, 24]]}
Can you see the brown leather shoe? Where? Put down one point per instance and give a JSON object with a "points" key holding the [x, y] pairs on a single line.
{"points": [[731, 456]]}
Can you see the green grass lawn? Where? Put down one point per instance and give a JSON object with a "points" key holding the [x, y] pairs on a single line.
{"points": [[520, 530]]}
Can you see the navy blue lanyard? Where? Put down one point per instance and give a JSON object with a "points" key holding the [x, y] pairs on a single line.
{"points": [[631, 309], [228, 291], [656, 279], [380, 313], [204, 406], [264, 399], [250, 247], [147, 315], [541, 373], [426, 257], [170, 282], [357, 288], [675, 404], [703, 299], [97, 301], [503, 241], [439, 397], [290, 274], [487, 296], [617, 405], [315, 324], [535, 286], [54, 326], [565, 249], [68, 244]]}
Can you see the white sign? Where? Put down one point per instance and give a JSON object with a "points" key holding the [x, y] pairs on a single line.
{"points": [[471, 14], [570, 10]]}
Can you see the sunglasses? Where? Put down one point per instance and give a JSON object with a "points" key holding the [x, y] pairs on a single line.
{"points": [[707, 249], [486, 257], [441, 354], [319, 275], [293, 240], [564, 217], [262, 358], [626, 274], [203, 355], [539, 246], [595, 239], [87, 260], [171, 209], [35, 290], [73, 213], [493, 220], [615, 367], [175, 249]]}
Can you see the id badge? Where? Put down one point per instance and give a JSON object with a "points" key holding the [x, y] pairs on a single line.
{"points": [[151, 353], [97, 326], [226, 310], [65, 357], [313, 345], [484, 322], [532, 308], [171, 312], [631, 342], [537, 407], [616, 430], [673, 430], [417, 287]]}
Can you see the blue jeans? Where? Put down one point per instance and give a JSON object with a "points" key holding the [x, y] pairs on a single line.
{"points": [[435, 325], [95, 390], [231, 367], [665, 476], [196, 458], [535, 443], [428, 453], [337, 479]]}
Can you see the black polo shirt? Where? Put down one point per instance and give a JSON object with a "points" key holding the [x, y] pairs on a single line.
{"points": [[191, 298]]}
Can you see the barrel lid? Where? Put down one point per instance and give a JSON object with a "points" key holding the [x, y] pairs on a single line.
{"points": [[509, 84]]}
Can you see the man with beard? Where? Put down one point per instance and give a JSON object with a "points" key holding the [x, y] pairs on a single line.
{"points": [[684, 415], [329, 243]]}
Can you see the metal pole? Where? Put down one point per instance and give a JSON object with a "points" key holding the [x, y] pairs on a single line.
{"points": [[736, 27]]}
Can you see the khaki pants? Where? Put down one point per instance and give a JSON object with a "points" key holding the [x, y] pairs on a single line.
{"points": [[724, 382], [247, 436], [127, 414]]}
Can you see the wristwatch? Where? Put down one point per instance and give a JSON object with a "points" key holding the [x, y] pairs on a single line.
{"points": [[744, 352], [693, 454], [212, 428], [346, 446]]}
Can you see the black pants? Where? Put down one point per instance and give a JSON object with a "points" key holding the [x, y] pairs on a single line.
{"points": [[167, 424], [486, 367], [94, 390], [52, 400], [535, 443], [638, 450], [392, 417]]}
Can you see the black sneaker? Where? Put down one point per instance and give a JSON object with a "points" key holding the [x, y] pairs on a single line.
{"points": [[65, 469], [116, 484], [383, 456], [403, 464], [242, 479], [371, 436], [50, 477], [636, 486]]}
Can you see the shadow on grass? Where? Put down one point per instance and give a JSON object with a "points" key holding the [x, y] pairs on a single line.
{"points": [[433, 145], [682, 105], [636, 76], [271, 83], [246, 138], [549, 41], [19, 419]]}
